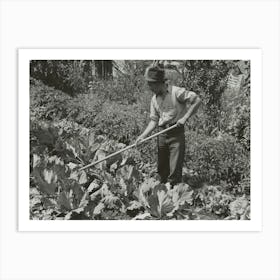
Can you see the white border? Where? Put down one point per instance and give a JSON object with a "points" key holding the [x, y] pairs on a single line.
{"points": [[255, 224]]}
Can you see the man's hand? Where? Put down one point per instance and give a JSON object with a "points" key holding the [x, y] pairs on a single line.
{"points": [[151, 126], [138, 140], [181, 122]]}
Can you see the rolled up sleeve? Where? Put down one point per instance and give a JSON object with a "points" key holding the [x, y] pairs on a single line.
{"points": [[184, 95]]}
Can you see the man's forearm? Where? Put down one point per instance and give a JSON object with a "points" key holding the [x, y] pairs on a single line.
{"points": [[192, 110], [151, 126]]}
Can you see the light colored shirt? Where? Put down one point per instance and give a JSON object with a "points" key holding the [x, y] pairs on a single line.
{"points": [[169, 108]]}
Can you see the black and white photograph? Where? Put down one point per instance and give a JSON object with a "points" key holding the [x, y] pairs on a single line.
{"points": [[140, 140]]}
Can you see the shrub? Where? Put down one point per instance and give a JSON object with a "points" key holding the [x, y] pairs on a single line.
{"points": [[208, 79], [47, 103], [122, 89], [213, 199], [120, 122], [43, 97], [217, 158], [67, 75], [235, 117]]}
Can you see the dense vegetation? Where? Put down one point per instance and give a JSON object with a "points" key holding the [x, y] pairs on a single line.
{"points": [[77, 117]]}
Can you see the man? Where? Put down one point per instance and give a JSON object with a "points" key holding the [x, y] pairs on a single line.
{"points": [[169, 105]]}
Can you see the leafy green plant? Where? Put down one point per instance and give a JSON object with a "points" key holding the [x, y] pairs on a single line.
{"points": [[116, 189], [162, 202], [213, 199], [67, 75], [239, 209], [56, 158], [120, 122], [208, 79], [54, 105], [216, 158]]}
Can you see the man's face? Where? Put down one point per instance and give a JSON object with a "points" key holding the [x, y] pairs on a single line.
{"points": [[155, 87]]}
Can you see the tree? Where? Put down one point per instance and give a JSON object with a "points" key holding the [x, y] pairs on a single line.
{"points": [[103, 69], [70, 76]]}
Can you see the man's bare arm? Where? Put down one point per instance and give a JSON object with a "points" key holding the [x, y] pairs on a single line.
{"points": [[150, 127], [192, 110]]}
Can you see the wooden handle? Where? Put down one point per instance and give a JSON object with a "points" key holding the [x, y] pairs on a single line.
{"points": [[128, 147]]}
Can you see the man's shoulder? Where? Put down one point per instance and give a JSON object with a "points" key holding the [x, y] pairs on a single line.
{"points": [[182, 94], [176, 89], [179, 90]]}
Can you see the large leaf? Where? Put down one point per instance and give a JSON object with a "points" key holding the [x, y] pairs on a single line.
{"points": [[182, 194], [108, 178], [77, 214], [36, 160], [63, 201], [147, 196], [71, 149], [83, 177], [84, 200], [45, 136], [48, 187], [111, 201], [48, 203], [94, 186], [162, 202], [35, 201], [144, 216], [77, 191], [98, 209], [148, 184], [247, 213], [134, 205], [59, 170], [165, 204], [49, 176], [239, 207]]}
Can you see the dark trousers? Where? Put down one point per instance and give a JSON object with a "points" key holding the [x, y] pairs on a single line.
{"points": [[171, 152]]}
